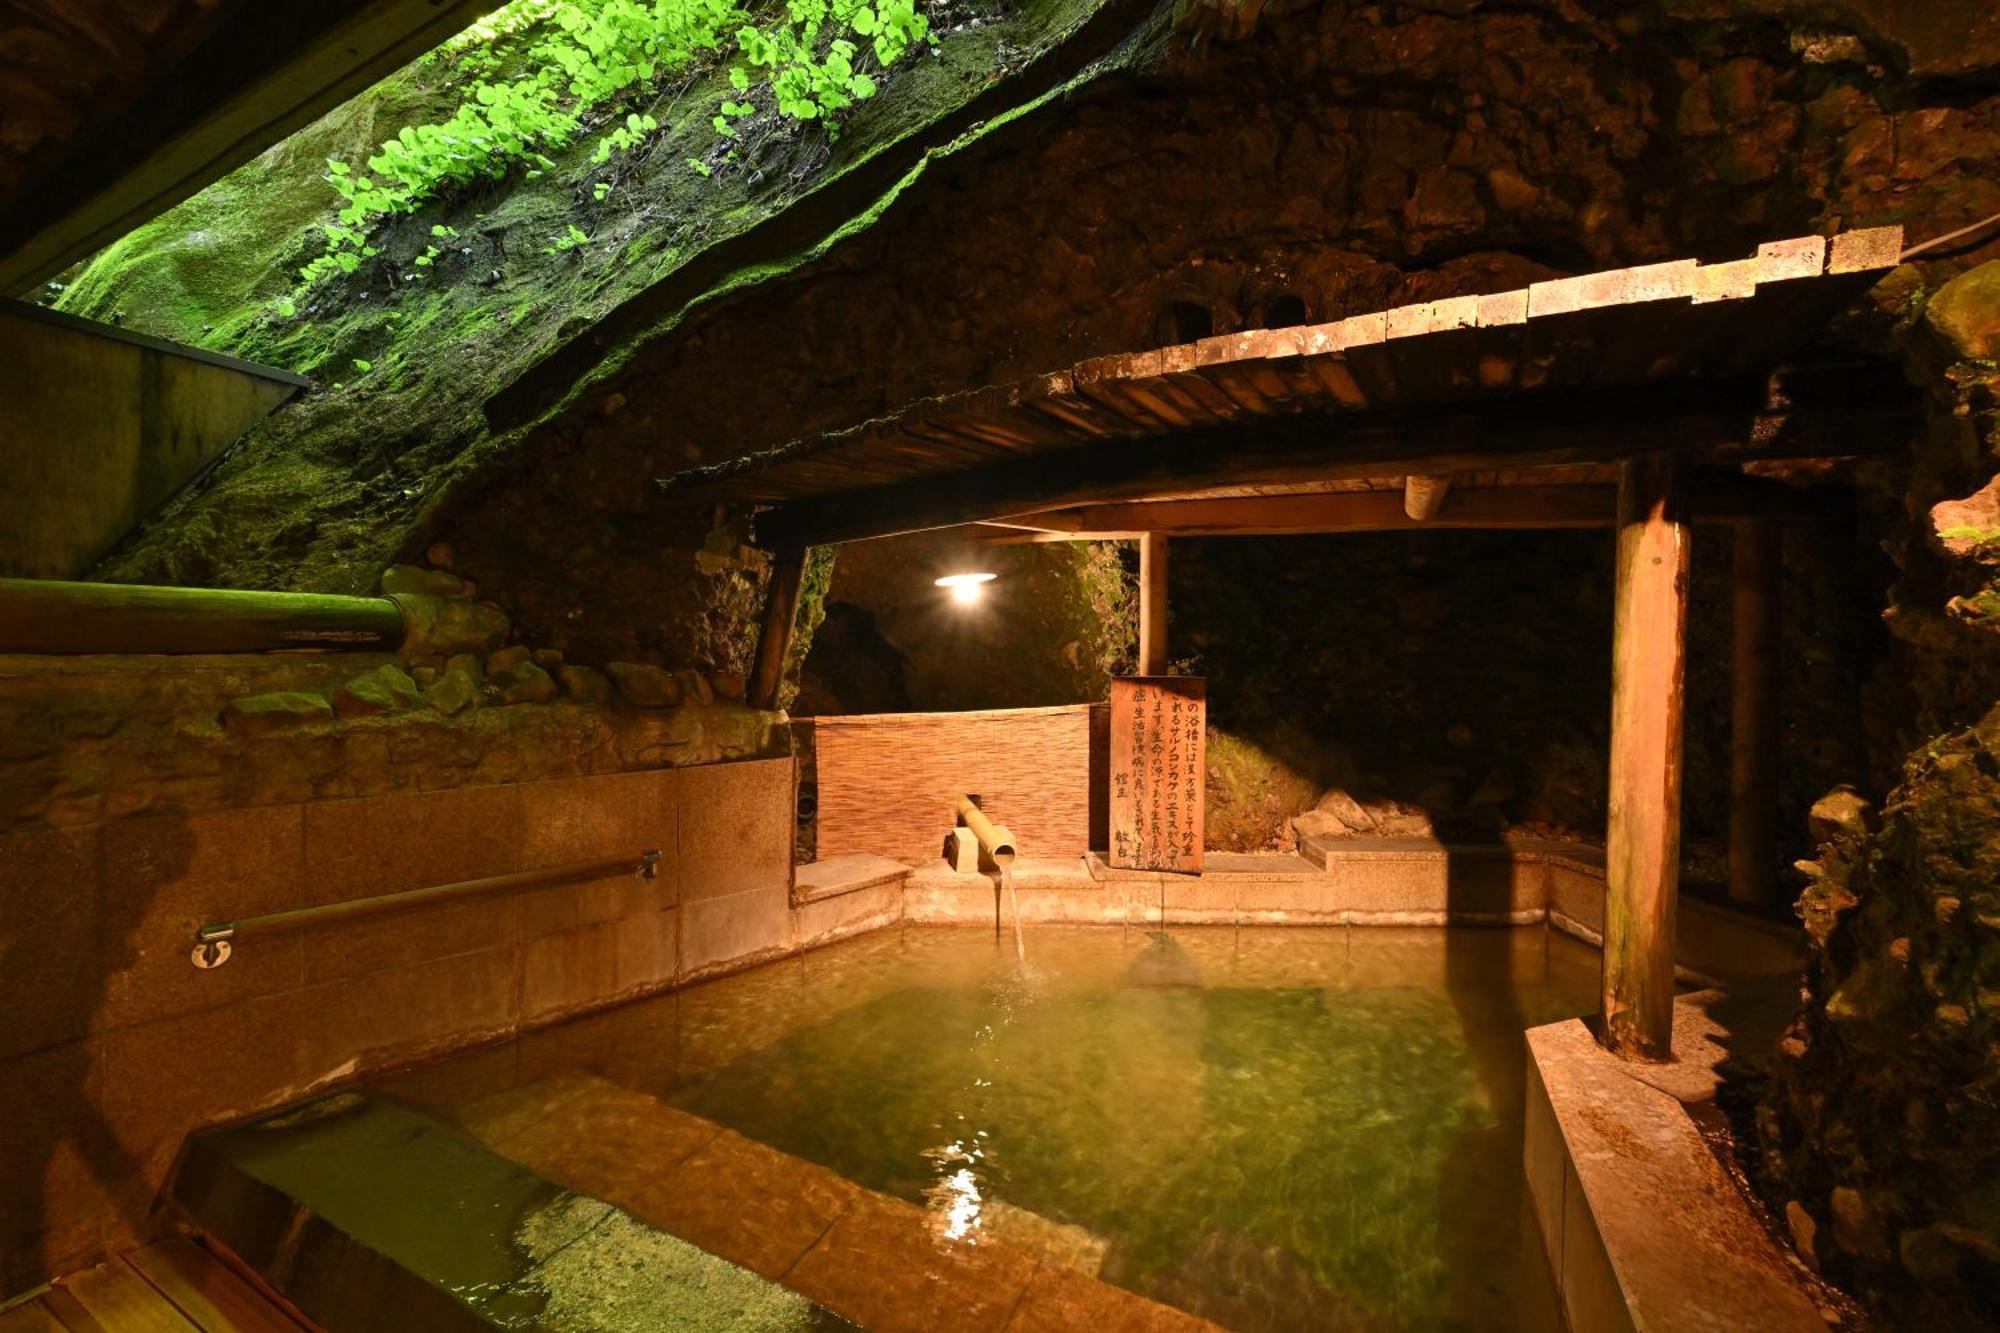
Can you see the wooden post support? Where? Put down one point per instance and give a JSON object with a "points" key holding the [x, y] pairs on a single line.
{"points": [[1647, 680], [774, 639], [1424, 496], [1153, 605], [1753, 715]]}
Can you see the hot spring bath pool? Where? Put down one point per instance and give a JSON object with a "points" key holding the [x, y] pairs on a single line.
{"points": [[1277, 1128]]}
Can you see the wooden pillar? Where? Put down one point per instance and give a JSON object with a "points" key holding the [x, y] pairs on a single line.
{"points": [[1152, 604], [1644, 838], [1753, 714], [774, 640]]}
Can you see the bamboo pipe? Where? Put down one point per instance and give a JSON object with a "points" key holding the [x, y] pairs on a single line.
{"points": [[998, 843], [53, 616]]}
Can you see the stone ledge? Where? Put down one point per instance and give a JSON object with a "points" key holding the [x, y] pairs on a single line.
{"points": [[1322, 850], [1642, 1226], [1261, 865], [839, 875], [449, 1234]]}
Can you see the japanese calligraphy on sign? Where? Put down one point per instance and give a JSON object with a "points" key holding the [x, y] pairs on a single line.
{"points": [[1159, 760]]}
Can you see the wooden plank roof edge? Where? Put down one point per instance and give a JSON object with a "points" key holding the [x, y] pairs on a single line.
{"points": [[1718, 421], [1844, 253]]}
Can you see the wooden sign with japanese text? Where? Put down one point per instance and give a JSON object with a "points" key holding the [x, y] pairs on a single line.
{"points": [[1159, 763]]}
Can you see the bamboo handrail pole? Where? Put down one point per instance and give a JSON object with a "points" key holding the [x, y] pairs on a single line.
{"points": [[56, 616]]}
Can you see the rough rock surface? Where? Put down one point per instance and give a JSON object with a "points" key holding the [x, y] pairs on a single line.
{"points": [[1342, 158], [1328, 159], [383, 690], [1882, 1128], [261, 714], [645, 686], [91, 738]]}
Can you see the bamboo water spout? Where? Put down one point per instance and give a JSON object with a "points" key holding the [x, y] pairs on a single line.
{"points": [[994, 840]]}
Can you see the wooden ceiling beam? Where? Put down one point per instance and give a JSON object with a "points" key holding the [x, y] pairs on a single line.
{"points": [[1851, 414], [1719, 498], [1056, 523], [1424, 496]]}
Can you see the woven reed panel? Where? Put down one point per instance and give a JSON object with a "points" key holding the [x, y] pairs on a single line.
{"points": [[886, 780]]}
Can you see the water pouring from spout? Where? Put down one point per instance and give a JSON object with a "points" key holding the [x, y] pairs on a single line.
{"points": [[998, 844]]}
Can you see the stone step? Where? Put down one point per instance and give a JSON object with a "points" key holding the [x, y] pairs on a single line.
{"points": [[1323, 849], [366, 1213], [839, 875], [1643, 1227], [880, 1261]]}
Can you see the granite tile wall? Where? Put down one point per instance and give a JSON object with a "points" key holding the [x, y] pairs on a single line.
{"points": [[113, 1045]]}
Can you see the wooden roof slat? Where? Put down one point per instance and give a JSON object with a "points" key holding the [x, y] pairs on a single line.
{"points": [[1180, 378], [951, 437], [1867, 250], [1250, 384], [1054, 397], [1127, 386], [1792, 290], [1178, 370], [1002, 411], [1428, 346], [1306, 375], [1098, 381]]}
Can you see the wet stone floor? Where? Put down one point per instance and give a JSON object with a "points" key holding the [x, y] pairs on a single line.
{"points": [[1283, 1128]]}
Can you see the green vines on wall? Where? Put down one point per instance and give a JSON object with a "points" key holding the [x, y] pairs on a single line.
{"points": [[539, 73]]}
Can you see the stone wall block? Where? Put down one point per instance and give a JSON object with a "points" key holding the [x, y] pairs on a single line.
{"points": [[566, 971], [717, 932], [71, 1186], [735, 828], [165, 876], [389, 844], [52, 938]]}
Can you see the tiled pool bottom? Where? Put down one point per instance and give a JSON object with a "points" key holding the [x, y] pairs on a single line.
{"points": [[1272, 1128]]}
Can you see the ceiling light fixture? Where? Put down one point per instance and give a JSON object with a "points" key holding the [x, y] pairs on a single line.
{"points": [[966, 588]]}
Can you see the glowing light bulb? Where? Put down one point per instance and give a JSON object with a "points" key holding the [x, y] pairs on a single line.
{"points": [[966, 588]]}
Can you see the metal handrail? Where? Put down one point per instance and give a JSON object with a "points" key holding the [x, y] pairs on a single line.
{"points": [[215, 942]]}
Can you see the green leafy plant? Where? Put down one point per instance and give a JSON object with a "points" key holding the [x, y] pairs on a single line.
{"points": [[808, 62], [632, 132], [569, 240]]}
